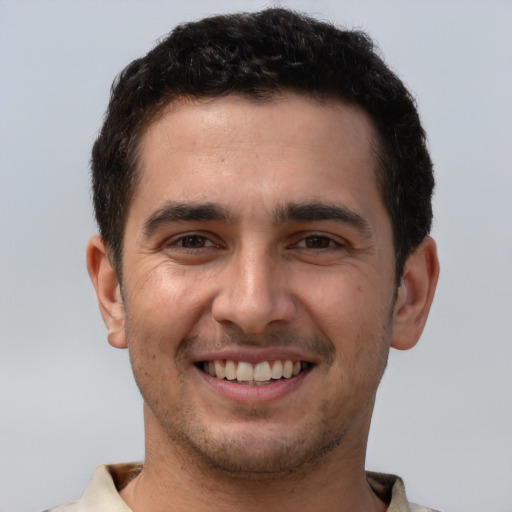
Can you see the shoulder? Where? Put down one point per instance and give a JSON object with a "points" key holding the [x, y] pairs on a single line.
{"points": [[102, 492], [391, 490], [72, 506], [418, 508]]}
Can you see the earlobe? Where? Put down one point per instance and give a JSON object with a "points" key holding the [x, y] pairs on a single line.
{"points": [[108, 291], [415, 295]]}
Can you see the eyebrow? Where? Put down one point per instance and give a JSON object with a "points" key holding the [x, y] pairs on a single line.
{"points": [[173, 211], [297, 212], [308, 212]]}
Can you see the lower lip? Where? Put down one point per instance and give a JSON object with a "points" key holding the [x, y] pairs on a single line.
{"points": [[243, 393]]}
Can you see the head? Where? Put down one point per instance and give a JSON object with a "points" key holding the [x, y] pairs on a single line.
{"points": [[261, 184], [260, 56]]}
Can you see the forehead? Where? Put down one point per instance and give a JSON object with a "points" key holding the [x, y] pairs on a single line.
{"points": [[289, 136], [236, 119]]}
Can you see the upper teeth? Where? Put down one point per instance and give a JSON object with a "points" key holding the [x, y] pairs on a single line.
{"points": [[247, 372]]}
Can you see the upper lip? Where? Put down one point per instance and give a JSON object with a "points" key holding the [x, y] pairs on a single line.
{"points": [[256, 355]]}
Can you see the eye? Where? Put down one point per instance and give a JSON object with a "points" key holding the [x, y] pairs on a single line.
{"points": [[318, 242], [193, 242], [190, 242], [192, 248]]}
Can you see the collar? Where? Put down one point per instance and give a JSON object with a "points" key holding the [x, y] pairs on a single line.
{"points": [[102, 492]]}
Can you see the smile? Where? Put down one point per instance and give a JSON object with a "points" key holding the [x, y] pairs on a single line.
{"points": [[261, 373]]}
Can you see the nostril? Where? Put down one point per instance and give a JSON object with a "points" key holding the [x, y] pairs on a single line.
{"points": [[253, 316]]}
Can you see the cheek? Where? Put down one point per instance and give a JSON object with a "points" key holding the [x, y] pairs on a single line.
{"points": [[345, 301], [162, 310], [166, 302], [353, 312]]}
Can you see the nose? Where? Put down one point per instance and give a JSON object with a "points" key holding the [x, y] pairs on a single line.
{"points": [[254, 293]]}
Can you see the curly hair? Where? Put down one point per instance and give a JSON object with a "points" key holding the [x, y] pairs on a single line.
{"points": [[261, 55]]}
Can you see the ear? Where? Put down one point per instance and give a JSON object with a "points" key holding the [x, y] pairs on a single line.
{"points": [[415, 295], [108, 291]]}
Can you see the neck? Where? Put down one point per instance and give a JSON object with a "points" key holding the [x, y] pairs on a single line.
{"points": [[173, 480]]}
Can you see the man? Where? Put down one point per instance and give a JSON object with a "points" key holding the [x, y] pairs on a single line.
{"points": [[263, 194]]}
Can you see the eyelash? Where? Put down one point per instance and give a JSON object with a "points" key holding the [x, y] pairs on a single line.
{"points": [[206, 242], [179, 242], [331, 243]]}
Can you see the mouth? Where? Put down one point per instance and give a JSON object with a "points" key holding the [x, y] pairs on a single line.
{"points": [[262, 373]]}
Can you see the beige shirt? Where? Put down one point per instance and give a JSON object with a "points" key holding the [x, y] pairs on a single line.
{"points": [[101, 495]]}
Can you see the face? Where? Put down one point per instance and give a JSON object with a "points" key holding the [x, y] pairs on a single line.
{"points": [[258, 284]]}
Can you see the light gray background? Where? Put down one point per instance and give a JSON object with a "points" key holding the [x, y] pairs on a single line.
{"points": [[68, 403]]}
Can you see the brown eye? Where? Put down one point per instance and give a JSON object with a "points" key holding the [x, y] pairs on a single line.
{"points": [[193, 241], [317, 242]]}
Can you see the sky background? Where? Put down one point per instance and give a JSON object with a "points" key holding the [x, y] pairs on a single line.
{"points": [[68, 403]]}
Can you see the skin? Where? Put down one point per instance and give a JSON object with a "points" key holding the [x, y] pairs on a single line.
{"points": [[251, 276]]}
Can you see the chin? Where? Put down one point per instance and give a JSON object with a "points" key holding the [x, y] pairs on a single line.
{"points": [[262, 455]]}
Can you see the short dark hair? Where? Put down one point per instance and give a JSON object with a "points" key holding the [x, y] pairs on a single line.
{"points": [[260, 55]]}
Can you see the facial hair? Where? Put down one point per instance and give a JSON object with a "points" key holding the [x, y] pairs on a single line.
{"points": [[253, 450]]}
